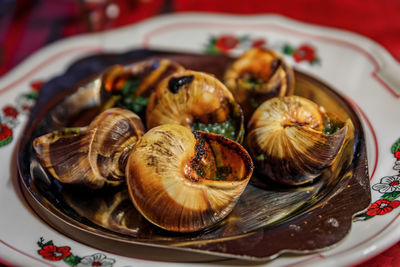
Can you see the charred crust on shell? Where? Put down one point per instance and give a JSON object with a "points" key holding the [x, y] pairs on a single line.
{"points": [[175, 83]]}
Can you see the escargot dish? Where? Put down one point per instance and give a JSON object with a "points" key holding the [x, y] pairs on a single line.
{"points": [[173, 187], [291, 139], [257, 75], [198, 101], [94, 155], [186, 181]]}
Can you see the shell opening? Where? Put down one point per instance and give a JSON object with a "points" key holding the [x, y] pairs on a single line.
{"points": [[216, 160], [254, 76], [226, 128], [171, 177], [132, 85], [332, 125]]}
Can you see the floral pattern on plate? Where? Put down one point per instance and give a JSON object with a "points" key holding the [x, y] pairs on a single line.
{"points": [[10, 113], [360, 244], [57, 253], [389, 187], [225, 44]]}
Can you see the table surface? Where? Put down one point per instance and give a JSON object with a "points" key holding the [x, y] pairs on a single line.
{"points": [[28, 25]]}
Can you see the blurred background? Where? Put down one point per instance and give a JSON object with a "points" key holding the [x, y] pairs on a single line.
{"points": [[28, 25]]}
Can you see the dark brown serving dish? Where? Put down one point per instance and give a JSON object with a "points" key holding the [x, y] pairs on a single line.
{"points": [[268, 220]]}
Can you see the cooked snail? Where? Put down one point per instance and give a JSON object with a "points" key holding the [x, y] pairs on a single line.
{"points": [[198, 101], [186, 181], [95, 155], [257, 75], [131, 85], [291, 139]]}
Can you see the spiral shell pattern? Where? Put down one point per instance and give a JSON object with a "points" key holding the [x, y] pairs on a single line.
{"points": [[188, 97], [287, 142], [186, 181], [95, 155]]}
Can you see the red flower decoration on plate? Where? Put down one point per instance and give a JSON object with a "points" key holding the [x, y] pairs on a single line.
{"points": [[10, 111], [5, 135], [394, 183], [5, 132], [258, 43], [381, 207], [397, 154], [304, 53], [36, 85], [226, 43], [53, 253]]}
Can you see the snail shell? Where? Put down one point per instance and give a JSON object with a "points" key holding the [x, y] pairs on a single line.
{"points": [[288, 142], [130, 86], [149, 72], [186, 181], [192, 98], [94, 155], [257, 75]]}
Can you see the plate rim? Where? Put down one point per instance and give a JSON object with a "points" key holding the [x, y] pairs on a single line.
{"points": [[387, 240], [58, 220]]}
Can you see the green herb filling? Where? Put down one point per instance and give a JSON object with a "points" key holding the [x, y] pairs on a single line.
{"points": [[226, 128], [128, 100]]}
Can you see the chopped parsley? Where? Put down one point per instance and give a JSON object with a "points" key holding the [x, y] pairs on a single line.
{"points": [[332, 126], [199, 171], [226, 128], [260, 157], [128, 100], [251, 83]]}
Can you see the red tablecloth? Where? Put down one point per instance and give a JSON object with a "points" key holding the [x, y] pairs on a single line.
{"points": [[27, 25]]}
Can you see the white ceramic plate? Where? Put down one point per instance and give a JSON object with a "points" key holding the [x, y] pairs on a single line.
{"points": [[357, 67]]}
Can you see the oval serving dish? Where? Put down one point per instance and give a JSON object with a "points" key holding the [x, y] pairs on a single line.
{"points": [[304, 219]]}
